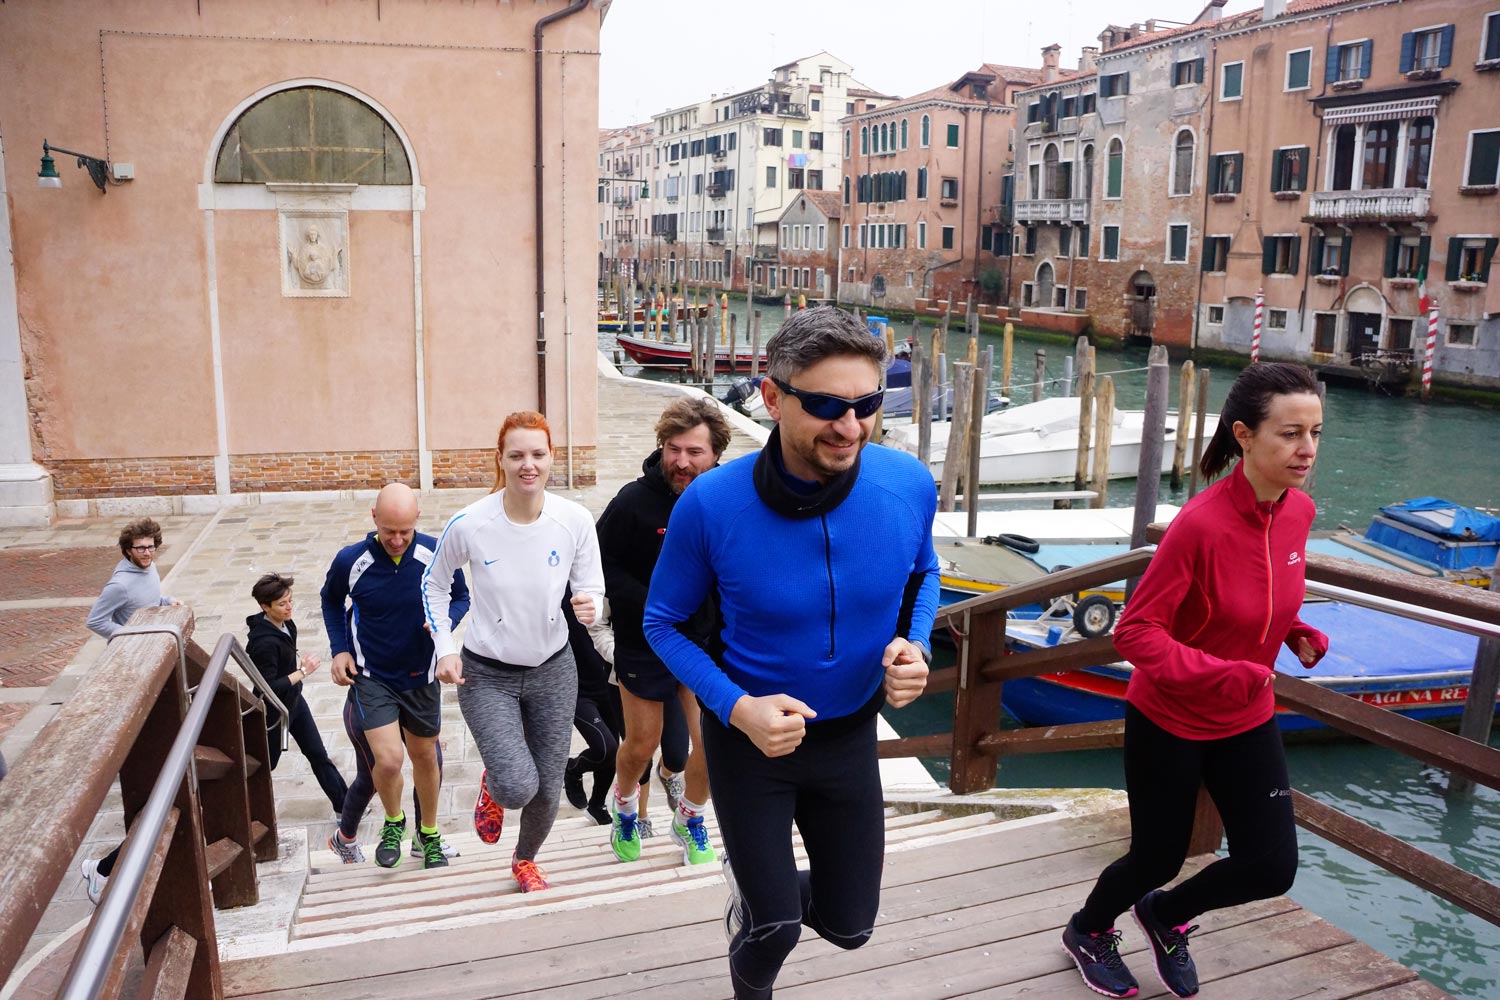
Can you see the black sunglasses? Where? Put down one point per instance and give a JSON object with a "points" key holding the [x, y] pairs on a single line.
{"points": [[826, 407]]}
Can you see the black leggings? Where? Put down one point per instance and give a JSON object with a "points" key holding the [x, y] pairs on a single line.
{"points": [[602, 727], [830, 788], [1247, 779], [363, 788], [304, 729]]}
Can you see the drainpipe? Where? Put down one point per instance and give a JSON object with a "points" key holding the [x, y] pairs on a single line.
{"points": [[540, 215]]}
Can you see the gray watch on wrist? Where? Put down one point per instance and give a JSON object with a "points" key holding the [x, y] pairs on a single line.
{"points": [[926, 653]]}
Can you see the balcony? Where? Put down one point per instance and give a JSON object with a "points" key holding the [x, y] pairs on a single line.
{"points": [[623, 201], [1383, 205], [1052, 210], [720, 154], [716, 190], [716, 235]]}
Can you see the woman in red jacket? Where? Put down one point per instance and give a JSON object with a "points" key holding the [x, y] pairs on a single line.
{"points": [[1203, 629]]}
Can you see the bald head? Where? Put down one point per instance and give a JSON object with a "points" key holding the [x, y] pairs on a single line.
{"points": [[395, 514]]}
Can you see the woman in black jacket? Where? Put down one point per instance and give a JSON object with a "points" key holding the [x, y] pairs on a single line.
{"points": [[272, 645]]}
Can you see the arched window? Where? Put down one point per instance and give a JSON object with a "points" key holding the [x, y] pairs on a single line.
{"points": [[903, 133], [846, 187], [901, 187], [846, 144], [311, 135], [1088, 173], [922, 183], [1182, 163], [926, 131], [864, 140], [885, 138], [1115, 180], [1049, 173]]}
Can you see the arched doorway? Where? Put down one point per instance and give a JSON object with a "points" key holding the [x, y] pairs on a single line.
{"points": [[1366, 311], [1045, 282], [1141, 296]]}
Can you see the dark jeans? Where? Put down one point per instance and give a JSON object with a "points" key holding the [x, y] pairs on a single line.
{"points": [[828, 787], [1247, 778], [304, 730]]}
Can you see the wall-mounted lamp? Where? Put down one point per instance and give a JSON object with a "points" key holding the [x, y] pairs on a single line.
{"points": [[48, 177]]}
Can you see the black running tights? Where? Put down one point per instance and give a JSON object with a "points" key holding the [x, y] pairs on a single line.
{"points": [[1247, 778], [830, 788]]}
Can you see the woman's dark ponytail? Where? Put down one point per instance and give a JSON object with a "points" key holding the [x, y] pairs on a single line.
{"points": [[1248, 402]]}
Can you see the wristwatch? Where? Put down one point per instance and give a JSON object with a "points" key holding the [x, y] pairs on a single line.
{"points": [[926, 653]]}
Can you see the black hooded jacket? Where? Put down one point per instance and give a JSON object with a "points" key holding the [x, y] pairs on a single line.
{"points": [[631, 531], [274, 652]]}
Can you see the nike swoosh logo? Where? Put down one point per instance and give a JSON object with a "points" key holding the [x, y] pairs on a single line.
{"points": [[488, 561]]}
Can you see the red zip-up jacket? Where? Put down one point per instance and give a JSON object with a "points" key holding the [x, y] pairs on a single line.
{"points": [[1220, 596]]}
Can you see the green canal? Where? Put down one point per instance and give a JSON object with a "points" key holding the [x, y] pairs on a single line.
{"points": [[1375, 450]]}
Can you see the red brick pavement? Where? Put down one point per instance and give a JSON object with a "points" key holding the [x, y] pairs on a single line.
{"points": [[36, 643], [30, 574]]}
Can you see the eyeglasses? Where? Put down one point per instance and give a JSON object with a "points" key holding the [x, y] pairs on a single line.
{"points": [[826, 407], [143, 548]]}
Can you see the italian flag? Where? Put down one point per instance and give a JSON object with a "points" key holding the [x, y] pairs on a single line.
{"points": [[1423, 302]]}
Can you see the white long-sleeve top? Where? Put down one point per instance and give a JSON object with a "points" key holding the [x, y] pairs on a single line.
{"points": [[517, 575]]}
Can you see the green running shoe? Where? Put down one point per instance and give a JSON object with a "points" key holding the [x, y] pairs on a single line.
{"points": [[388, 850], [433, 855], [623, 836], [692, 837]]}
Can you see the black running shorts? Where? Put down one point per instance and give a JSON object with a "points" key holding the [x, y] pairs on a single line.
{"points": [[378, 704], [643, 674]]}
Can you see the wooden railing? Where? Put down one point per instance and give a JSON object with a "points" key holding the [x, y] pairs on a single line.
{"points": [[189, 746], [976, 744]]}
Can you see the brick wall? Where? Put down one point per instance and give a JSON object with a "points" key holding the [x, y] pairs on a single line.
{"points": [[474, 468], [326, 470], [79, 479]]}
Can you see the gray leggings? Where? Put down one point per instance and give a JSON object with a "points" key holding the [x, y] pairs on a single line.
{"points": [[521, 719]]}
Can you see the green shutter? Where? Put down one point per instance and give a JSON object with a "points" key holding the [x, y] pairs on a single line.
{"points": [[1116, 168], [1276, 169], [1296, 253], [1489, 254], [1238, 159], [1347, 255], [1197, 70], [1424, 248], [1267, 254], [1213, 173], [1392, 254], [1455, 257], [1315, 254]]}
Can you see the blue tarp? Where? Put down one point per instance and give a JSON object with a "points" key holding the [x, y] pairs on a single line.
{"points": [[1445, 518]]}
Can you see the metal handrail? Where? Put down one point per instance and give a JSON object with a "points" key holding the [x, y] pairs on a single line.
{"points": [[102, 938], [261, 685], [1485, 630]]}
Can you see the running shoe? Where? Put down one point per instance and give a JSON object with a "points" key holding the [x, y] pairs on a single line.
{"points": [[1099, 963], [733, 918], [673, 785], [644, 828], [528, 875], [450, 850], [347, 851], [388, 851], [598, 814], [1169, 948], [93, 882], [573, 785], [488, 816], [623, 835], [692, 837], [432, 850]]}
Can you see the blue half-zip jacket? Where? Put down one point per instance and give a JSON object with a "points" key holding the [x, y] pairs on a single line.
{"points": [[811, 588], [372, 609]]}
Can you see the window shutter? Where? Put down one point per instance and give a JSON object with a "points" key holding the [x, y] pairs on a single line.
{"points": [[1197, 70], [1392, 254], [1303, 161], [1455, 257], [1276, 158], [1424, 248], [1331, 67], [1369, 56], [1315, 254], [1213, 173], [1267, 254], [1347, 255], [1445, 46], [1408, 51], [1489, 255], [1237, 175], [1206, 259], [1296, 252], [1124, 83]]}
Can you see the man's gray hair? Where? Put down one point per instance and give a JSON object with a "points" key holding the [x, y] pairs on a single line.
{"points": [[817, 333]]}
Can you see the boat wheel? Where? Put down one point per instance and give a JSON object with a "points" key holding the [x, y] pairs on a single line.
{"points": [[1094, 616]]}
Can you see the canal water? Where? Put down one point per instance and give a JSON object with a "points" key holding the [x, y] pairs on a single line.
{"points": [[1375, 450]]}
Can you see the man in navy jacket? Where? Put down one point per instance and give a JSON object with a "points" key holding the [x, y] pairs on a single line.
{"points": [[819, 550], [382, 651]]}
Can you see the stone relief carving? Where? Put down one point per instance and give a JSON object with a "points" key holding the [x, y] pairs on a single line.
{"points": [[315, 254]]}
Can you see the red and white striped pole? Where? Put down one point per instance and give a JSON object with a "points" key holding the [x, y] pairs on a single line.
{"points": [[1260, 308], [1432, 318]]}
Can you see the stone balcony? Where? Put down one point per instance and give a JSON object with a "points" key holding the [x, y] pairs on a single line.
{"points": [[1052, 210], [1383, 205]]}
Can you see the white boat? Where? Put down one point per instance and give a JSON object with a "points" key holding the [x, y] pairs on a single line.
{"points": [[1038, 443]]}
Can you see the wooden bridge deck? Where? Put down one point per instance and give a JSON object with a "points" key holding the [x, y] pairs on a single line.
{"points": [[973, 912]]}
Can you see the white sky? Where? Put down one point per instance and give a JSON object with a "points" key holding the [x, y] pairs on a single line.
{"points": [[660, 54]]}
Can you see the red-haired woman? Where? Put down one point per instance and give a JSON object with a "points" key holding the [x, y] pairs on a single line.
{"points": [[517, 680]]}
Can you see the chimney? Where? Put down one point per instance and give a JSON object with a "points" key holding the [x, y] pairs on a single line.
{"points": [[1272, 10], [1086, 59], [1049, 62], [1212, 12]]}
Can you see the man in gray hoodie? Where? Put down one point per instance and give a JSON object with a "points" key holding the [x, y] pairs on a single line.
{"points": [[135, 583]]}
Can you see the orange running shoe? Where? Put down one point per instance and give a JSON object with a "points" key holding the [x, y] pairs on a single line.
{"points": [[528, 875], [488, 816]]}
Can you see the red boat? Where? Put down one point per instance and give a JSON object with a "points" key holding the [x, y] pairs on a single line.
{"points": [[656, 353]]}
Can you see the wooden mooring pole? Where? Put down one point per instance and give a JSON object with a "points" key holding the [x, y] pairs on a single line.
{"points": [[1007, 354], [954, 455], [1085, 369], [980, 392], [1153, 440], [1041, 376], [1104, 427], [921, 399], [1185, 394], [1198, 426], [755, 344]]}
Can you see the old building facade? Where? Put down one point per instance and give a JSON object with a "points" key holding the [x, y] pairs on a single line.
{"points": [[807, 254], [625, 203]]}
